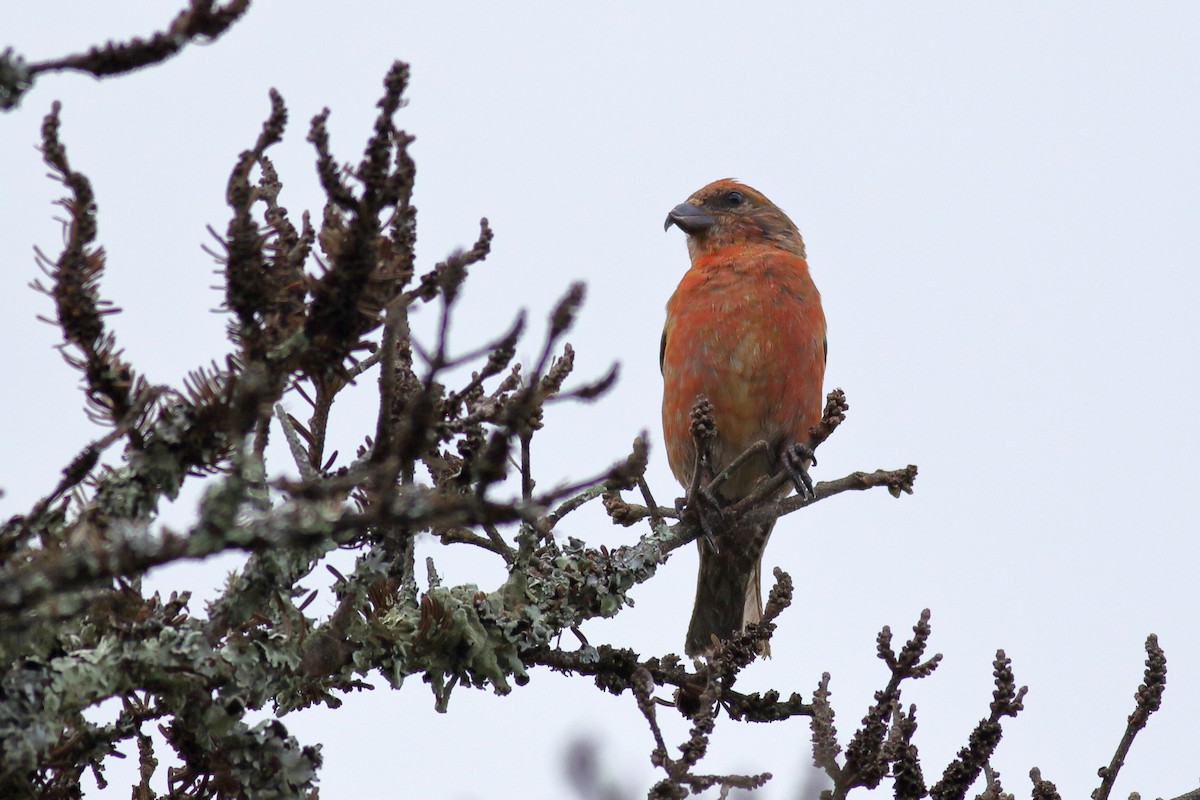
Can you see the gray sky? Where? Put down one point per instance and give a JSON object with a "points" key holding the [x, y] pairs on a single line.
{"points": [[1002, 212]]}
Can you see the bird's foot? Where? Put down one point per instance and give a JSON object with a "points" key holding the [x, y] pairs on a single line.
{"points": [[710, 537], [796, 461], [706, 513]]}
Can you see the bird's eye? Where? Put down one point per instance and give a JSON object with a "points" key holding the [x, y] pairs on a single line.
{"points": [[735, 198]]}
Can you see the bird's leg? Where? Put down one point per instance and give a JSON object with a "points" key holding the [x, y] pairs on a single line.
{"points": [[696, 487], [705, 504], [764, 488], [796, 460], [757, 448]]}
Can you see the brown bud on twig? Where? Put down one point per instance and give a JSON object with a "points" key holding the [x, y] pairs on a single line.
{"points": [[909, 781], [703, 426], [504, 350], [618, 510], [833, 415], [914, 648], [1042, 789], [560, 368], [625, 474], [824, 734], [1149, 698], [1149, 694], [780, 596], [563, 316]]}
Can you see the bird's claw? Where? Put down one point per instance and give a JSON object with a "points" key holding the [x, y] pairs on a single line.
{"points": [[703, 512], [796, 461], [710, 538]]}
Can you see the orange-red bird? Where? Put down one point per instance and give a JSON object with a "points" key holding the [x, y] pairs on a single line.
{"points": [[745, 329]]}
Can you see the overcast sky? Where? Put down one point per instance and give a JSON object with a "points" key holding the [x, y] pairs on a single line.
{"points": [[1002, 212]]}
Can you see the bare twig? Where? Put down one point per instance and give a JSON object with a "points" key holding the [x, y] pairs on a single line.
{"points": [[201, 20]]}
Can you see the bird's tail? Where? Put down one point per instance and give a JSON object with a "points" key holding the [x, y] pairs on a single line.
{"points": [[728, 589]]}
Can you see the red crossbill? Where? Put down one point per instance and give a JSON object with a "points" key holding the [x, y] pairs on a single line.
{"points": [[745, 329]]}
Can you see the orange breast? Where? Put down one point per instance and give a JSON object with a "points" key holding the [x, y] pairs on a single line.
{"points": [[744, 328]]}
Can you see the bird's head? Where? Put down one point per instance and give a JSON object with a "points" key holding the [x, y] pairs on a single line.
{"points": [[727, 213]]}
